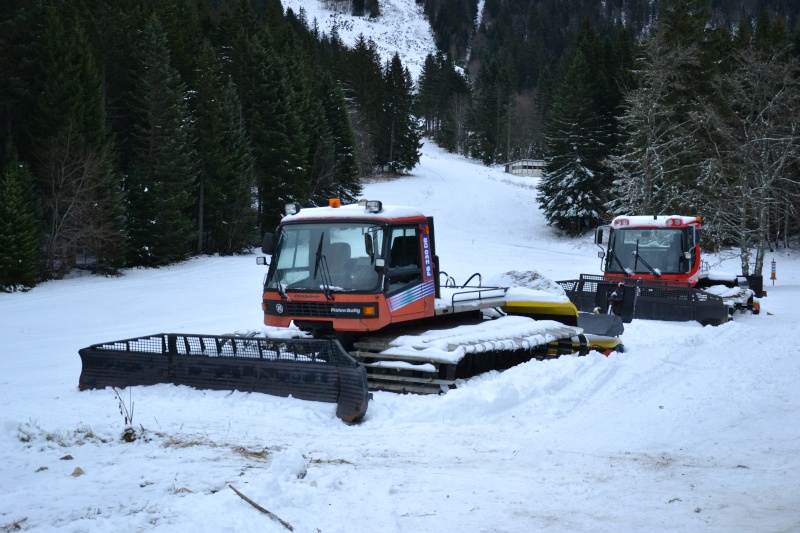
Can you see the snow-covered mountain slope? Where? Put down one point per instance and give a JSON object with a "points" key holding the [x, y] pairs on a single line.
{"points": [[402, 28]]}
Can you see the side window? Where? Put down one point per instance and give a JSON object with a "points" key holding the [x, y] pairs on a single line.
{"points": [[404, 261]]}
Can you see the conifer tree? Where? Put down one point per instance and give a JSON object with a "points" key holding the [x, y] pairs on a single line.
{"points": [[159, 186], [274, 128], [442, 101], [225, 218], [303, 101], [570, 193], [113, 28], [488, 119], [401, 138], [20, 229], [345, 181], [426, 103], [20, 31], [181, 22], [365, 89]]}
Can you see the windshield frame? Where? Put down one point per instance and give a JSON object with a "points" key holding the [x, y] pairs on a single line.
{"points": [[659, 249], [329, 257]]}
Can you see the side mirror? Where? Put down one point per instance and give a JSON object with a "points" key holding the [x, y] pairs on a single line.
{"points": [[601, 254], [598, 236], [268, 244], [368, 247]]}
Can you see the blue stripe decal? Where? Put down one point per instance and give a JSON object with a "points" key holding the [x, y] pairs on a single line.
{"points": [[410, 296]]}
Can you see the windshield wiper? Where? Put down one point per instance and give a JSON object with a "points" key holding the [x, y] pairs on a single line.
{"points": [[319, 256], [326, 275], [637, 258], [279, 285], [613, 255]]}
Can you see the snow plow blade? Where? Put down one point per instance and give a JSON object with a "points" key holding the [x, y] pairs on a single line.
{"points": [[308, 369], [567, 313], [646, 299]]}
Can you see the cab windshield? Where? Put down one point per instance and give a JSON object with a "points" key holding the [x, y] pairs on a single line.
{"points": [[326, 257], [662, 248]]}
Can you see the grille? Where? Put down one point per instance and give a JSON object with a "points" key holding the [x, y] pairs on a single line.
{"points": [[310, 309]]}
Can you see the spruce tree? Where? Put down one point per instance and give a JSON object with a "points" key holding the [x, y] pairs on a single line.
{"points": [[345, 175], [181, 23], [159, 186], [20, 229], [274, 128], [363, 79], [401, 137], [225, 218], [572, 192], [489, 116], [427, 96], [20, 32]]}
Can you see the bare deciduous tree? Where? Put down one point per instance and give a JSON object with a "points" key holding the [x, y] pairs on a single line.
{"points": [[653, 161], [75, 200], [757, 150]]}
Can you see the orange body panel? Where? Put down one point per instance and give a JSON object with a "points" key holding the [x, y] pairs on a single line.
{"points": [[360, 310], [421, 308]]}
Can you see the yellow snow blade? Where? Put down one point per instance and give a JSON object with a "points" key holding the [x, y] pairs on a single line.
{"points": [[605, 345], [564, 312]]}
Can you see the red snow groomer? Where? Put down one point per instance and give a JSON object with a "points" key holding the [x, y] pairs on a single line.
{"points": [[653, 269]]}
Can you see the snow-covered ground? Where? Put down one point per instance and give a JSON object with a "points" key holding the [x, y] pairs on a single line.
{"points": [[692, 429]]}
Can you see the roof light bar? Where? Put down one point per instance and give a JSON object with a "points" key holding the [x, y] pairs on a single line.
{"points": [[334, 202]]}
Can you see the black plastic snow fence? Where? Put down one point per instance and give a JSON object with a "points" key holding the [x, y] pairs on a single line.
{"points": [[308, 369]]}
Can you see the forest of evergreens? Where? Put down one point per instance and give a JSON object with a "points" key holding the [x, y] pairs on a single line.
{"points": [[139, 132]]}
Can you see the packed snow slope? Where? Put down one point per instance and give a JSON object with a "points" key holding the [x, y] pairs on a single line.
{"points": [[691, 429]]}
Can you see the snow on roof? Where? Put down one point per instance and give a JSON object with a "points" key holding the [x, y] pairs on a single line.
{"points": [[388, 212], [657, 221]]}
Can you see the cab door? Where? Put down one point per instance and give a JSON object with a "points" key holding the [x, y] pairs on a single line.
{"points": [[408, 295]]}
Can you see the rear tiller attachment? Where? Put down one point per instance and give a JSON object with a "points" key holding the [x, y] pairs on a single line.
{"points": [[309, 369]]}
